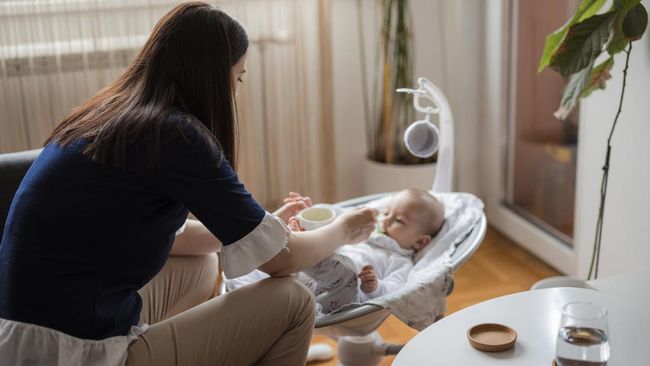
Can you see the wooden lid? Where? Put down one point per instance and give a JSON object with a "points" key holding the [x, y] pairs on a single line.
{"points": [[491, 337]]}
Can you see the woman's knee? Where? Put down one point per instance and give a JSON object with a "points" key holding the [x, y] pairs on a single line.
{"points": [[289, 289], [290, 286]]}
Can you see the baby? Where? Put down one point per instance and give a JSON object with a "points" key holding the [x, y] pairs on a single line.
{"points": [[380, 265]]}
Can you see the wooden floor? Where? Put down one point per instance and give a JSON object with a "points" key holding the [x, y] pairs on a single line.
{"points": [[498, 268]]}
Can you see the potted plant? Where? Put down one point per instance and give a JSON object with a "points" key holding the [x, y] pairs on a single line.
{"points": [[388, 165], [574, 51]]}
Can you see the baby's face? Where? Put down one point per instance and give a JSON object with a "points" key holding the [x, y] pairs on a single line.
{"points": [[405, 221]]}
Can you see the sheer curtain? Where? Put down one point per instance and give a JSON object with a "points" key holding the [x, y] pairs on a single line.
{"points": [[56, 53]]}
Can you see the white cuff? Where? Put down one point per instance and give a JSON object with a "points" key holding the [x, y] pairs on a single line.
{"points": [[256, 248]]}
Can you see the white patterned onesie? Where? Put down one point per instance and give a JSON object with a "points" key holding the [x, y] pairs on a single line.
{"points": [[334, 280]]}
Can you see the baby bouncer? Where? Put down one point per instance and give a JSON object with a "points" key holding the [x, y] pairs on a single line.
{"points": [[430, 280], [465, 225]]}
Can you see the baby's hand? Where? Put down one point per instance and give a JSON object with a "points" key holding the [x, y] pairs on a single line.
{"points": [[293, 197], [368, 279], [293, 204], [294, 224]]}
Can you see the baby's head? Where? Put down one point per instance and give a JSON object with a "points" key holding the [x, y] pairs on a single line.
{"points": [[412, 218]]}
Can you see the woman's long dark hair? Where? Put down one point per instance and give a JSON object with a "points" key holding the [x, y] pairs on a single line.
{"points": [[185, 66]]}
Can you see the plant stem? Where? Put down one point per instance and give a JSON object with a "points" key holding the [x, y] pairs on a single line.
{"points": [[595, 256], [386, 130]]}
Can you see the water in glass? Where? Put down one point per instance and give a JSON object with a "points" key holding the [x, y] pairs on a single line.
{"points": [[582, 339], [582, 347]]}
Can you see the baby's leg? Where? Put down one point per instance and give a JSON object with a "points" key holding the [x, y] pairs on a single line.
{"points": [[335, 282]]}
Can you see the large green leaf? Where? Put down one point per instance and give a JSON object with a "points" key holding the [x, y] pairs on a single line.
{"points": [[635, 22], [576, 85], [552, 42], [586, 9], [583, 43], [618, 41], [627, 4], [599, 75]]}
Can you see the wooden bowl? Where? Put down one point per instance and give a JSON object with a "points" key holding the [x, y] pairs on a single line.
{"points": [[491, 337]]}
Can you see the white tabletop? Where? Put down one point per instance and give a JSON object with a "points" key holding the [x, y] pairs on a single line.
{"points": [[535, 315]]}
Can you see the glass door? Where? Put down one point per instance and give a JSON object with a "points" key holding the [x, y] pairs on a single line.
{"points": [[531, 166], [540, 149]]}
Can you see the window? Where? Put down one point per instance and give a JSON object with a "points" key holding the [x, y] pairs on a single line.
{"points": [[541, 150]]}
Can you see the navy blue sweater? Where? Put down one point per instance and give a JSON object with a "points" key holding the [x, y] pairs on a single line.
{"points": [[81, 237]]}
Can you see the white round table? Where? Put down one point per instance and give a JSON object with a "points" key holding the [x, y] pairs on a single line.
{"points": [[535, 315]]}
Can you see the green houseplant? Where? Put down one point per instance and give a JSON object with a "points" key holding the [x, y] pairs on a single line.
{"points": [[387, 114], [573, 51]]}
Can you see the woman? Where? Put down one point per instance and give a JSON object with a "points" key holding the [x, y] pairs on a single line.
{"points": [[95, 219]]}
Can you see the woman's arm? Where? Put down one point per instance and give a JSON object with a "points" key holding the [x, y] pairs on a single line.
{"points": [[195, 173], [307, 248], [196, 239]]}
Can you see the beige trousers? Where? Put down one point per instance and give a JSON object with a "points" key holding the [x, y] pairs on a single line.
{"points": [[267, 323]]}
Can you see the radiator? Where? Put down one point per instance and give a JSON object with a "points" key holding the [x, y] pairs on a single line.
{"points": [[53, 58], [38, 92]]}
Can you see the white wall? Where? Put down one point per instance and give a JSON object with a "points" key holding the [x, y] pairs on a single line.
{"points": [[625, 244], [447, 51]]}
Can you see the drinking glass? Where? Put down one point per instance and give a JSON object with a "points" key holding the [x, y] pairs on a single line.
{"points": [[583, 337]]}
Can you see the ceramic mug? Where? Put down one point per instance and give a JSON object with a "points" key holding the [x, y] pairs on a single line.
{"points": [[313, 218]]}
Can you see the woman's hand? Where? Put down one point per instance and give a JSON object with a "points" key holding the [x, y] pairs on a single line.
{"points": [[358, 224], [293, 204], [368, 279]]}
